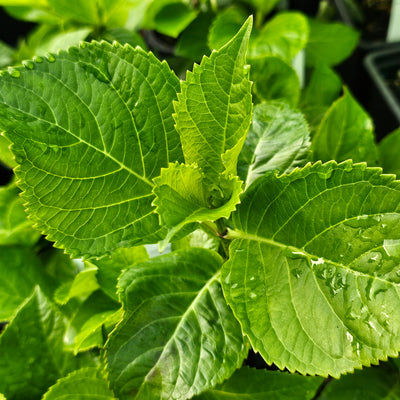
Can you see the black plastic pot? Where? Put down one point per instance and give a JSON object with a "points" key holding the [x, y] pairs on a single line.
{"points": [[383, 69]]}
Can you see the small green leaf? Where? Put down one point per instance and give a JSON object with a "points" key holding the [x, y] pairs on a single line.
{"points": [[371, 383], [83, 285], [15, 228], [314, 274], [178, 337], [225, 26], [213, 111], [198, 238], [90, 129], [86, 383], [346, 131], [283, 36], [109, 268], [389, 150], [278, 139], [20, 272], [273, 79], [183, 197], [329, 43], [32, 350], [262, 384]]}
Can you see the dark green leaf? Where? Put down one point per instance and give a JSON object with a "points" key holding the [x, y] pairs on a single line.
{"points": [[389, 151]]}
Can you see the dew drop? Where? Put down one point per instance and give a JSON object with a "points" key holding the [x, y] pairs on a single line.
{"points": [[28, 64], [15, 73], [82, 45], [227, 278], [252, 278], [38, 59], [349, 337], [235, 285], [253, 295], [50, 58]]}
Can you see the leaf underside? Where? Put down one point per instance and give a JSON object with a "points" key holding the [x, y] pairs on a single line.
{"points": [[314, 277], [90, 129]]}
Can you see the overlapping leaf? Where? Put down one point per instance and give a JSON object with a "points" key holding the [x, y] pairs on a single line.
{"points": [[389, 150], [90, 129], [314, 277], [178, 337]]}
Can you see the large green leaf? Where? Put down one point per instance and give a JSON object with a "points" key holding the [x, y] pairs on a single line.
{"points": [[20, 272], [182, 198], [214, 109], [278, 139], [32, 350], [329, 43], [6, 157], [314, 275], [178, 337], [283, 36], [90, 129], [381, 383], [389, 150], [15, 228], [251, 383], [346, 131], [86, 383]]}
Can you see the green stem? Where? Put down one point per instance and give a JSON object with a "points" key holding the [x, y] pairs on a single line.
{"points": [[259, 19]]}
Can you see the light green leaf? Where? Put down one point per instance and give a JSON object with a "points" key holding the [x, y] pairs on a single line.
{"points": [[389, 150], [6, 157], [346, 131], [15, 228], [198, 238], [283, 36], [109, 268], [32, 13], [20, 3], [90, 131], [225, 26], [86, 383], [314, 274], [201, 344], [370, 384], [123, 36], [214, 109], [324, 87], [32, 350], [6, 54], [2, 397], [273, 79], [182, 198], [278, 139], [20, 272], [83, 285], [262, 384], [329, 43]]}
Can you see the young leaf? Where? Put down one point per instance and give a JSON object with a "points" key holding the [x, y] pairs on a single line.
{"points": [[346, 131], [213, 111], [262, 384], [183, 197], [32, 350], [329, 43], [90, 129], [86, 383], [275, 80], [15, 228], [198, 238], [283, 36], [371, 383], [314, 276], [20, 272], [178, 337], [278, 139], [389, 151]]}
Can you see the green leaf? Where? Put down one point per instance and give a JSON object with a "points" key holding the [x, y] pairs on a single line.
{"points": [[262, 384], [87, 162], [283, 36], [346, 131], [6, 54], [123, 36], [86, 383], [182, 198], [329, 43], [264, 6], [371, 384], [15, 228], [389, 153], [6, 157], [83, 285], [32, 350], [278, 139], [214, 109], [198, 238], [273, 79], [20, 272], [225, 26], [178, 337], [2, 397], [109, 268], [314, 274]]}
